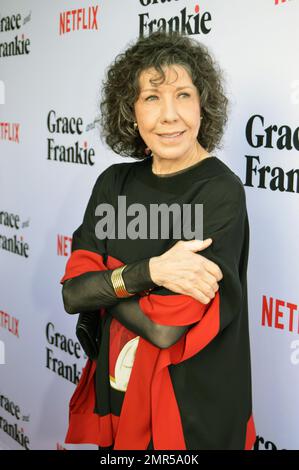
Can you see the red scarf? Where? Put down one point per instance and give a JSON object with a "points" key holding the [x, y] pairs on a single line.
{"points": [[149, 407]]}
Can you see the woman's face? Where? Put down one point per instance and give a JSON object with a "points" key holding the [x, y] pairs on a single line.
{"points": [[172, 107]]}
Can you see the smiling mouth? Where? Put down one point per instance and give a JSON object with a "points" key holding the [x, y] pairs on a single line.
{"points": [[173, 135]]}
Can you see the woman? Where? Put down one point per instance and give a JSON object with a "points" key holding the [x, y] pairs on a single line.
{"points": [[173, 367]]}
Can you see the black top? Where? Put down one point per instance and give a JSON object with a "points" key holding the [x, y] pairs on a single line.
{"points": [[212, 388]]}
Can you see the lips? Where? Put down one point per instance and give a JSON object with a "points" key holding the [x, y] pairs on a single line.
{"points": [[171, 135]]}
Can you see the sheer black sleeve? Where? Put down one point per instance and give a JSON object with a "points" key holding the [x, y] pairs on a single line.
{"points": [[93, 290], [129, 314]]}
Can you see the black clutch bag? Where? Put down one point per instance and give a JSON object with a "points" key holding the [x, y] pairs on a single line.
{"points": [[88, 331]]}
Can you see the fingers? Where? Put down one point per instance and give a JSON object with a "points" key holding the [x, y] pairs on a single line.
{"points": [[196, 275], [212, 268], [200, 245], [197, 245], [202, 291], [199, 296], [207, 284]]}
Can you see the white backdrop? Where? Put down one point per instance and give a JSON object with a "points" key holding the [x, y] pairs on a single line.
{"points": [[42, 200]]}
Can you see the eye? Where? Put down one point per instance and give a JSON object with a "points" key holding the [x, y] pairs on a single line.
{"points": [[155, 96], [151, 96]]}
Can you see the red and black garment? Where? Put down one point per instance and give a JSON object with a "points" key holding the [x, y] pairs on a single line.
{"points": [[195, 394]]}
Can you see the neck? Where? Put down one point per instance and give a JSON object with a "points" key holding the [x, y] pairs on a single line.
{"points": [[162, 165]]}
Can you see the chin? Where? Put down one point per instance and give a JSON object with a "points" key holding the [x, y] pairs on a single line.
{"points": [[171, 154]]}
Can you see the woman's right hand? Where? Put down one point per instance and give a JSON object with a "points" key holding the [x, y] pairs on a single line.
{"points": [[181, 270]]}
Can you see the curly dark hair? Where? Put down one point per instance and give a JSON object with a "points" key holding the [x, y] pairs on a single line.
{"points": [[120, 90]]}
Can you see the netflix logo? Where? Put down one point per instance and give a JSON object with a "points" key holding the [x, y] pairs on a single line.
{"points": [[279, 2], [10, 131], [9, 323], [64, 245], [78, 19], [280, 314]]}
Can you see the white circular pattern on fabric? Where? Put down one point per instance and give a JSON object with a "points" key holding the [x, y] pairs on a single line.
{"points": [[124, 364]]}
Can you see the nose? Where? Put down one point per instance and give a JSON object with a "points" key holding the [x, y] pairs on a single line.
{"points": [[168, 110]]}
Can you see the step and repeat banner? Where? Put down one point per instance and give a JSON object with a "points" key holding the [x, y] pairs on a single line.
{"points": [[53, 57]]}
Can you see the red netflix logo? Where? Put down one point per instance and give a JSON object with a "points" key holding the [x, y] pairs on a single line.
{"points": [[64, 245], [277, 2], [10, 323], [277, 313], [10, 131], [80, 19]]}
